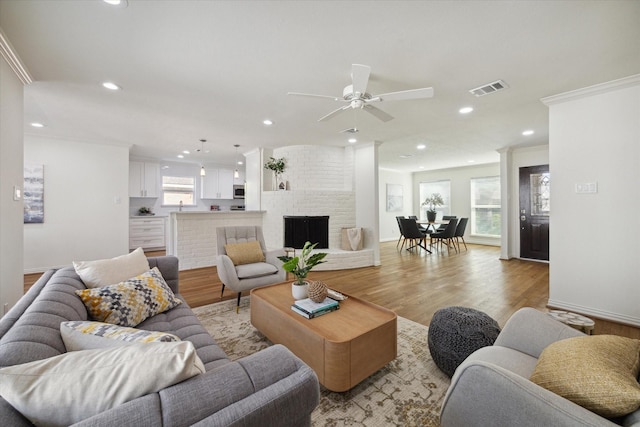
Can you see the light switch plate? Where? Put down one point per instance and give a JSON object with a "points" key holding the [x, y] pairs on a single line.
{"points": [[17, 193], [587, 188]]}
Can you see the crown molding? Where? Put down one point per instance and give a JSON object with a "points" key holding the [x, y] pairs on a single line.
{"points": [[9, 54], [593, 90]]}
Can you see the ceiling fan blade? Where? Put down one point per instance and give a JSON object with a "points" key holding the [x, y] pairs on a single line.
{"points": [[333, 113], [312, 95], [378, 113], [426, 92], [360, 77]]}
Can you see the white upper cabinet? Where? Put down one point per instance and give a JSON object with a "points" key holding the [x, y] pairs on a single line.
{"points": [[144, 179], [217, 184]]}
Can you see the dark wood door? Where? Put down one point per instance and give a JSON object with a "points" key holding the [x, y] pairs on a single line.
{"points": [[535, 188]]}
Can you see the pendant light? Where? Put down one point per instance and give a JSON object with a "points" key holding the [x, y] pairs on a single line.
{"points": [[202, 171], [236, 174]]}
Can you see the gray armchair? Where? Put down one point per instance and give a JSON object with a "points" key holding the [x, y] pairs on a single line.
{"points": [[492, 388], [245, 277]]}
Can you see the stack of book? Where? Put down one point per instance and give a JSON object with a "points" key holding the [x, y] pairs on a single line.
{"points": [[310, 309]]}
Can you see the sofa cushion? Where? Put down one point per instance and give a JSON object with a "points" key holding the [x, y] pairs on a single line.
{"points": [[244, 253], [130, 302], [257, 269], [68, 388], [597, 372], [106, 272], [87, 335]]}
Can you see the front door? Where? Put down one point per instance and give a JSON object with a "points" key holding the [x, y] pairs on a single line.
{"points": [[534, 212]]}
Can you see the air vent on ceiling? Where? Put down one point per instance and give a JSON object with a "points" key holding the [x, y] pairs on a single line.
{"points": [[496, 86], [350, 130]]}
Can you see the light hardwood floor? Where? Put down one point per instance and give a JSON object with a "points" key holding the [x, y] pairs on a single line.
{"points": [[416, 285]]}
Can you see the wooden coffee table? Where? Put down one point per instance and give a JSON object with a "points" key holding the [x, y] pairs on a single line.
{"points": [[343, 347]]}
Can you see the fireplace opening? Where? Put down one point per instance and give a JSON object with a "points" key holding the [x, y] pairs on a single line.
{"points": [[300, 229]]}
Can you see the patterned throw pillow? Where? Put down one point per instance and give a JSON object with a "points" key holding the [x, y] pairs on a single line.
{"points": [[130, 302], [87, 335]]}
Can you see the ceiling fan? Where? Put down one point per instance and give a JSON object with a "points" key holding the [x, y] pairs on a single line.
{"points": [[356, 96]]}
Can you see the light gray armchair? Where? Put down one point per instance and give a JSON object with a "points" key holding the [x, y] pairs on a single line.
{"points": [[244, 277], [492, 388]]}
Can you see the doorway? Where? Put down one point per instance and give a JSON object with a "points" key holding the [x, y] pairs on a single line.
{"points": [[535, 185]]}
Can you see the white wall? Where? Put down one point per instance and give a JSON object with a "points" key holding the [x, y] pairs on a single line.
{"points": [[595, 262], [460, 192], [86, 209], [11, 174], [388, 225]]}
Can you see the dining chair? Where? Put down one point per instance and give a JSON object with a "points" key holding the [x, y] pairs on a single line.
{"points": [[398, 218], [423, 229], [442, 227], [413, 234], [459, 234], [447, 235]]}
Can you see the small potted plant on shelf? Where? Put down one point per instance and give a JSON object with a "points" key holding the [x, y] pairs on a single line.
{"points": [[144, 211], [277, 166], [432, 201], [300, 267]]}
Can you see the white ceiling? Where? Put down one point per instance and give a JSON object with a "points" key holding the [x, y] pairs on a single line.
{"points": [[215, 69]]}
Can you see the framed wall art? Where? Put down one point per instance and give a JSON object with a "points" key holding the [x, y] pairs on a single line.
{"points": [[394, 198], [33, 194]]}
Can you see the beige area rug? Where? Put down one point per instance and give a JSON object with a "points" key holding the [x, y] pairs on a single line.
{"points": [[407, 392]]}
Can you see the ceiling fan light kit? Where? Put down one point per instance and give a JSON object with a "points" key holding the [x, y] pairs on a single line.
{"points": [[357, 97]]}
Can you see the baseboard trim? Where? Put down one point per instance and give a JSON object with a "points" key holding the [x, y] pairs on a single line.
{"points": [[600, 314]]}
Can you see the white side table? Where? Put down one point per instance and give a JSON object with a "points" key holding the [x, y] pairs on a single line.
{"points": [[574, 320]]}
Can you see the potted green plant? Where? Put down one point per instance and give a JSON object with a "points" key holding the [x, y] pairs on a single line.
{"points": [[144, 211], [277, 166], [301, 266], [432, 202]]}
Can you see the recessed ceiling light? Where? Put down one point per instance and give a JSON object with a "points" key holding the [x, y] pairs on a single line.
{"points": [[180, 156], [471, 161], [186, 152], [405, 156], [421, 167], [111, 86], [465, 110], [267, 122], [528, 132], [421, 146], [37, 125], [240, 162], [120, 3], [352, 140]]}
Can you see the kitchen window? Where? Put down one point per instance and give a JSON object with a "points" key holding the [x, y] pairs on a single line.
{"points": [[178, 190], [485, 206]]}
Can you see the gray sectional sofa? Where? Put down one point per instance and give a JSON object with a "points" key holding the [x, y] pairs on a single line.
{"points": [[269, 388]]}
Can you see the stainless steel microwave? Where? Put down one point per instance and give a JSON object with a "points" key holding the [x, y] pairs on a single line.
{"points": [[238, 191]]}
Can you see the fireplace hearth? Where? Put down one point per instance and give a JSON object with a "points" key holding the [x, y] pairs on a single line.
{"points": [[300, 229]]}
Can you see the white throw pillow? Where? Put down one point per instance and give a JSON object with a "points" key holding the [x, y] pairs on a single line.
{"points": [[73, 386], [104, 272], [87, 335]]}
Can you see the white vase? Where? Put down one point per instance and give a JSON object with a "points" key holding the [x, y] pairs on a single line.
{"points": [[300, 291]]}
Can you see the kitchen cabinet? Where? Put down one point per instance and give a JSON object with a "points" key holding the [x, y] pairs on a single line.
{"points": [[217, 184], [147, 233], [144, 179]]}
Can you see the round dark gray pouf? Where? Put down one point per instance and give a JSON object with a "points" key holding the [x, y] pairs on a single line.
{"points": [[456, 332]]}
